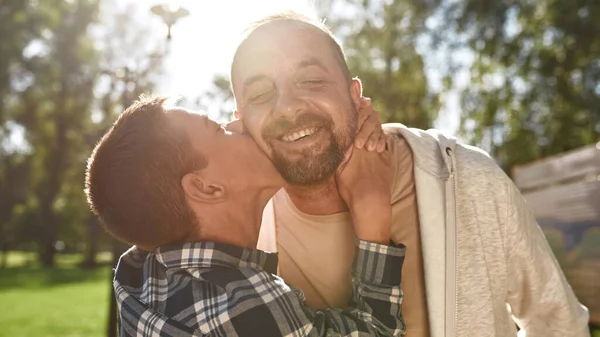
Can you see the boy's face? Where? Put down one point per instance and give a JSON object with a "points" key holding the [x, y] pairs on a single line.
{"points": [[234, 159]]}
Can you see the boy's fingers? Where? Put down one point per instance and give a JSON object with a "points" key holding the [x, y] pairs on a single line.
{"points": [[382, 142], [365, 102], [373, 140], [366, 129]]}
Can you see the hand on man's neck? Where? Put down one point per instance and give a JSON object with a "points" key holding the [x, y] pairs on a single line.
{"points": [[322, 199]]}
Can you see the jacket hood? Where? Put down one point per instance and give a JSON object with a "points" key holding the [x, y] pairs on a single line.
{"points": [[430, 148]]}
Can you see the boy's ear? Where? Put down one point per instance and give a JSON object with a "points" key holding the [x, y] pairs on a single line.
{"points": [[236, 114], [200, 189]]}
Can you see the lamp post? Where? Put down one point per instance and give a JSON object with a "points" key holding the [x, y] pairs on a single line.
{"points": [[170, 14]]}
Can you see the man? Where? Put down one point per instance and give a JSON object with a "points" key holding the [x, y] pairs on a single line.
{"points": [[473, 246], [190, 196]]}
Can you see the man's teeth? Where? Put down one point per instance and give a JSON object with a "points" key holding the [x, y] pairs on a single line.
{"points": [[291, 137]]}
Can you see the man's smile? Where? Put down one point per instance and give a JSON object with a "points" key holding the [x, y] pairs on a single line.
{"points": [[311, 137], [293, 136]]}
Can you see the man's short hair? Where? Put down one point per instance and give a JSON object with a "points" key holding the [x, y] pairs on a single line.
{"points": [[133, 177], [297, 17]]}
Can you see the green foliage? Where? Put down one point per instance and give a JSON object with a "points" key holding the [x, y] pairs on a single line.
{"points": [[221, 94], [380, 39], [590, 245], [534, 88], [63, 79]]}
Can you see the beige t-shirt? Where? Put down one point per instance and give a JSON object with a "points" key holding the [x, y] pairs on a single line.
{"points": [[316, 251]]}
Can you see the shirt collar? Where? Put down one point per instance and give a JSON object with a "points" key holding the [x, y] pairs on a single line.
{"points": [[212, 254]]}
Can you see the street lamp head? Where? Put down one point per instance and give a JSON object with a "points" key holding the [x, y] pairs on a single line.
{"points": [[170, 14]]}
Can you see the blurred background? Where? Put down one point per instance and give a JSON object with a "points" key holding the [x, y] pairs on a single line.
{"points": [[520, 79]]}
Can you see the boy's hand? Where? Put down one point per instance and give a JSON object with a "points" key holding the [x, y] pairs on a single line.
{"points": [[370, 135], [364, 181]]}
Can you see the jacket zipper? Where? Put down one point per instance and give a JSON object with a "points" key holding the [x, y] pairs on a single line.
{"points": [[451, 296]]}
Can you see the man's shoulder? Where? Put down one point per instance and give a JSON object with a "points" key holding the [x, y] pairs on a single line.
{"points": [[430, 150], [433, 140]]}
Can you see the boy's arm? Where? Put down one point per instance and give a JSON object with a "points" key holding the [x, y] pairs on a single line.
{"points": [[262, 304], [377, 274]]}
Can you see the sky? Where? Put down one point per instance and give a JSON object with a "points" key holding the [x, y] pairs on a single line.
{"points": [[203, 44]]}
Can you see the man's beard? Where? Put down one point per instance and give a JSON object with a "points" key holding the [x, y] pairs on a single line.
{"points": [[313, 168]]}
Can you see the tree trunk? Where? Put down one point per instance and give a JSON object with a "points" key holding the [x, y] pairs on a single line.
{"points": [[48, 253], [118, 249], [47, 230], [55, 163], [4, 259], [92, 248]]}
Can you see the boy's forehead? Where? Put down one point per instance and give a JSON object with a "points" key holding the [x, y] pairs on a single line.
{"points": [[186, 117], [180, 111]]}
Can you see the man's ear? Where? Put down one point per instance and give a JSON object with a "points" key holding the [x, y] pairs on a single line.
{"points": [[200, 189], [356, 91], [236, 114]]}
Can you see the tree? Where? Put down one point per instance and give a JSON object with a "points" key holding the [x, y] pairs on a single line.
{"points": [[15, 28], [53, 108], [63, 79], [535, 80], [381, 39], [218, 101], [130, 64]]}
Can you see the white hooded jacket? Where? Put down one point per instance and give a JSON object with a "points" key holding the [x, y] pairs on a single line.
{"points": [[487, 263]]}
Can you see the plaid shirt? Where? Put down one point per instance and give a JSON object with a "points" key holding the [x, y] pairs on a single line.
{"points": [[203, 288]]}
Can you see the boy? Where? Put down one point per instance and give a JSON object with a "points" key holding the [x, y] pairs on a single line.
{"points": [[189, 195]]}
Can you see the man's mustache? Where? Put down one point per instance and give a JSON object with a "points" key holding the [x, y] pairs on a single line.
{"points": [[281, 126]]}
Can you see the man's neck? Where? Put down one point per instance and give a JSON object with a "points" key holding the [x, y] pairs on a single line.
{"points": [[322, 199]]}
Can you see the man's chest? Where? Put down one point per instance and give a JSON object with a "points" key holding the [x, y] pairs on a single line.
{"points": [[317, 256]]}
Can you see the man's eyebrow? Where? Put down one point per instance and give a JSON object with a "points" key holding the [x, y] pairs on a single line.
{"points": [[312, 62], [301, 65], [253, 79]]}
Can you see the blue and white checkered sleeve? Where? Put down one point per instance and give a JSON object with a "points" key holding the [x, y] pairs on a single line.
{"points": [[377, 273], [261, 304]]}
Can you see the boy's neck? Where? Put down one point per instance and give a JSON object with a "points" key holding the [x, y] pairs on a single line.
{"points": [[235, 222]]}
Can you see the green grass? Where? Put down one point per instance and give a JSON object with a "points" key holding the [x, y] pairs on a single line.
{"points": [[61, 301]]}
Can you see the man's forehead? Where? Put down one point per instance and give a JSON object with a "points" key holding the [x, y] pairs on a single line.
{"points": [[283, 41]]}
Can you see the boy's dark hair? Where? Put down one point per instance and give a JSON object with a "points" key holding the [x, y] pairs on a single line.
{"points": [[133, 177]]}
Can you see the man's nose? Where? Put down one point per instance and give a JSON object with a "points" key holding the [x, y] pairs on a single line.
{"points": [[288, 104]]}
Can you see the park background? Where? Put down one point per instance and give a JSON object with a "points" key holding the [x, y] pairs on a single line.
{"points": [[520, 79]]}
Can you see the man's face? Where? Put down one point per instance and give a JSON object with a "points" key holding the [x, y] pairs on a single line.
{"points": [[294, 100], [234, 159]]}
